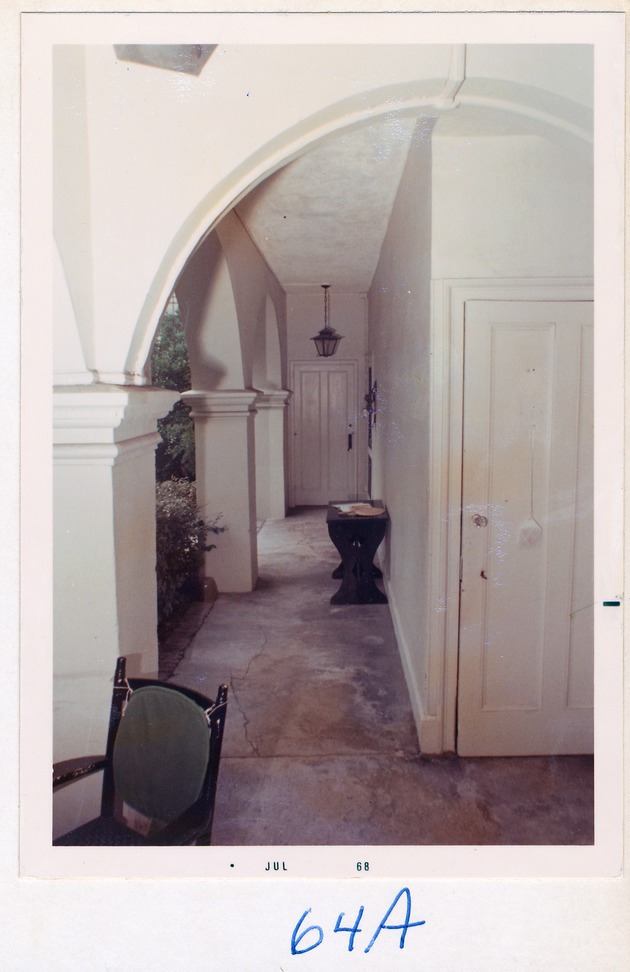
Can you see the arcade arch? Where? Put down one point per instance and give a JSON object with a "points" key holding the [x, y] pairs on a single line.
{"points": [[235, 314]]}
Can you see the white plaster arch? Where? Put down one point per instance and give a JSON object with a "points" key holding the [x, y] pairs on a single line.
{"points": [[267, 364], [66, 332], [206, 298], [432, 97]]}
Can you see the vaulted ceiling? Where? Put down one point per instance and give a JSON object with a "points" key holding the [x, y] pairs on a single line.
{"points": [[323, 217]]}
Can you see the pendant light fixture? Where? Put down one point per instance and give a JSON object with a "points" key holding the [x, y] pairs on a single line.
{"points": [[327, 340]]}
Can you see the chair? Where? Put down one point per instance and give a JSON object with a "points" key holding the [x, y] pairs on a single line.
{"points": [[162, 760]]}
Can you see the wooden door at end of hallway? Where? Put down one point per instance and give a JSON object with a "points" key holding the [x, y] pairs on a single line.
{"points": [[525, 682], [323, 432]]}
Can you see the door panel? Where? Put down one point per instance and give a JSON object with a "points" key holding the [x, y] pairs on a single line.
{"points": [[323, 407], [525, 681], [311, 441]]}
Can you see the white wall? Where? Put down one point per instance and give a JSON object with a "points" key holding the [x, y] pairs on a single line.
{"points": [[510, 206], [399, 327], [558, 70], [473, 206]]}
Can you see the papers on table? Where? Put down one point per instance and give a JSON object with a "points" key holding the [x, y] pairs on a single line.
{"points": [[358, 509]]}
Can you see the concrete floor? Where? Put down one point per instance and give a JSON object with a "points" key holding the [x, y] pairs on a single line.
{"points": [[320, 745]]}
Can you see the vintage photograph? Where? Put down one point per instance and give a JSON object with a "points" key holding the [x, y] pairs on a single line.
{"points": [[323, 352], [322, 510]]}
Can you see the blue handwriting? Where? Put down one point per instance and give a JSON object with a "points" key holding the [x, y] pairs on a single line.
{"points": [[300, 947]]}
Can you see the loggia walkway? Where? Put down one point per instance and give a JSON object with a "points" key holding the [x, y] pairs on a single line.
{"points": [[320, 744]]}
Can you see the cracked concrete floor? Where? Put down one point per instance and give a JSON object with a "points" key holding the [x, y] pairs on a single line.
{"points": [[320, 745]]}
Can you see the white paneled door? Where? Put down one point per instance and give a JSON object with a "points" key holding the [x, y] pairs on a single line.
{"points": [[525, 683], [323, 425]]}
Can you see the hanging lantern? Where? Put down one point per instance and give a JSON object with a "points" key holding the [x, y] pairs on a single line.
{"points": [[327, 340]]}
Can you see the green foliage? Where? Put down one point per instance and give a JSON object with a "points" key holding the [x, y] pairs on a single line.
{"points": [[181, 542], [169, 359], [170, 368], [175, 454], [181, 532]]}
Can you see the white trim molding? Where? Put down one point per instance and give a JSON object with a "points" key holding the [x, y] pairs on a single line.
{"points": [[107, 413], [225, 402]]}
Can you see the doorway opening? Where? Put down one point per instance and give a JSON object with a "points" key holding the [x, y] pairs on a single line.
{"points": [[323, 422]]}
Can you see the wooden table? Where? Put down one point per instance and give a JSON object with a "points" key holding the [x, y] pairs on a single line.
{"points": [[357, 539]]}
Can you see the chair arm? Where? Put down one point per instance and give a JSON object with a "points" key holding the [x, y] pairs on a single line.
{"points": [[70, 770]]}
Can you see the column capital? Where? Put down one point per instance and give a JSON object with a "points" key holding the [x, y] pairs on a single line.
{"points": [[107, 414], [226, 401], [272, 397]]}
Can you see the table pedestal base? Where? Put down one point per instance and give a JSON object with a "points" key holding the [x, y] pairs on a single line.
{"points": [[357, 540], [337, 573]]}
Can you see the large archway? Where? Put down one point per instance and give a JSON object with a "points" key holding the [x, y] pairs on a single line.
{"points": [[229, 366]]}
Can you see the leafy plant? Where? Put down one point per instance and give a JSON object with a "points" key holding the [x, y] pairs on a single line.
{"points": [[181, 535], [170, 368], [175, 454]]}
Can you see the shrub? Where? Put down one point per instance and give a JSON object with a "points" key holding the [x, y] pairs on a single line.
{"points": [[175, 454], [170, 368], [181, 541]]}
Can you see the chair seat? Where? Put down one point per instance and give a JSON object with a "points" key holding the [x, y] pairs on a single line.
{"points": [[101, 832]]}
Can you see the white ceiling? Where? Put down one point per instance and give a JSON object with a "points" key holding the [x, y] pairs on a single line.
{"points": [[322, 218]]}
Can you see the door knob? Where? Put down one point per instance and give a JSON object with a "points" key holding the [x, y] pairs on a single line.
{"points": [[479, 520]]}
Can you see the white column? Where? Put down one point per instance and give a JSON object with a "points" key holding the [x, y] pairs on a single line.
{"points": [[270, 454], [104, 551], [226, 482]]}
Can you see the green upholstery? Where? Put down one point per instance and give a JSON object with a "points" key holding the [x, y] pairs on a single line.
{"points": [[161, 753]]}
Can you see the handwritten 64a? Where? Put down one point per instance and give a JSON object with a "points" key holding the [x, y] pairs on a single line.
{"points": [[305, 939]]}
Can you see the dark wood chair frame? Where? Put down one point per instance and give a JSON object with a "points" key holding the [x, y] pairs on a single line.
{"points": [[194, 826]]}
